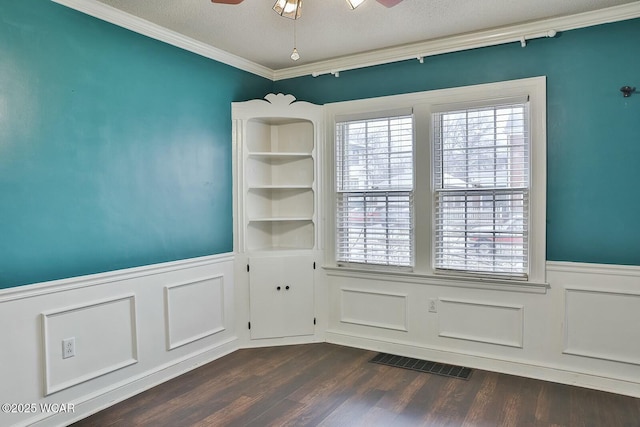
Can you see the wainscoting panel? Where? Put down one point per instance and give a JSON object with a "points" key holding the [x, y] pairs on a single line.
{"points": [[194, 310], [105, 340], [584, 330], [376, 309], [602, 324], [120, 322], [481, 322]]}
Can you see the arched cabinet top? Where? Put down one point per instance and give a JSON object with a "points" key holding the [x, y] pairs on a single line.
{"points": [[276, 105]]}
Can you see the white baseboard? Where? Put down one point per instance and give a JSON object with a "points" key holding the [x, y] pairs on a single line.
{"points": [[102, 399], [510, 367]]}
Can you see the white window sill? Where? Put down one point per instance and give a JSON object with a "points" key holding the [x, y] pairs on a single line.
{"points": [[438, 280]]}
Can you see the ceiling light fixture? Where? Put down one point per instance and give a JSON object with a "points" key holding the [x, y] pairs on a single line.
{"points": [[291, 9], [354, 3]]}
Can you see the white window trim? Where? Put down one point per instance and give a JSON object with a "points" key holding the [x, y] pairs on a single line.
{"points": [[423, 104]]}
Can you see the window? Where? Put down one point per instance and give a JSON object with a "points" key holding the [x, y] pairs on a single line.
{"points": [[374, 190], [481, 188], [448, 187]]}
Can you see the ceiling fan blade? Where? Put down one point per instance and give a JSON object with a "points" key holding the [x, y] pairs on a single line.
{"points": [[389, 3], [227, 1]]}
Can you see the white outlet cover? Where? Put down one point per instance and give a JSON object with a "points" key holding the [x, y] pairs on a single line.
{"points": [[68, 347]]}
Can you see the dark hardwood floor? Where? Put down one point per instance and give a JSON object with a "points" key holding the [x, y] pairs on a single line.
{"points": [[330, 385]]}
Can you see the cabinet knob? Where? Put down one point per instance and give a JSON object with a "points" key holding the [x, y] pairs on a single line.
{"points": [[278, 288], [287, 287]]}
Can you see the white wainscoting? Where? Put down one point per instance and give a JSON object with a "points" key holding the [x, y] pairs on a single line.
{"points": [[377, 309], [133, 329], [194, 310], [499, 324], [100, 346], [592, 331], [584, 330]]}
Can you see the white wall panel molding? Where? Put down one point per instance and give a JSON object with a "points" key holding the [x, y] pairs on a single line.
{"points": [[582, 331], [542, 371], [490, 323], [194, 310], [102, 398], [105, 335], [118, 320], [377, 309], [63, 285], [602, 324], [594, 269]]}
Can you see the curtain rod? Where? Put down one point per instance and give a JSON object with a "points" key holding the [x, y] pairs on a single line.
{"points": [[420, 57]]}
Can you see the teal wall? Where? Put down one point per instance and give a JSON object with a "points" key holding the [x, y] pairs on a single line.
{"points": [[115, 149], [593, 196]]}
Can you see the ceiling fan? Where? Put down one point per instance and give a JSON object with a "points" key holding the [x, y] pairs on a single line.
{"points": [[293, 8]]}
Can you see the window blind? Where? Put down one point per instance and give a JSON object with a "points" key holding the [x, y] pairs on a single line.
{"points": [[374, 191], [481, 189]]}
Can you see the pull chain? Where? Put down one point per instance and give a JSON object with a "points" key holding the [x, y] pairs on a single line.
{"points": [[294, 55]]}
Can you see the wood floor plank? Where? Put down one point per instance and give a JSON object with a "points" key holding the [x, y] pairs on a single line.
{"points": [[482, 409], [453, 402], [329, 385], [353, 409]]}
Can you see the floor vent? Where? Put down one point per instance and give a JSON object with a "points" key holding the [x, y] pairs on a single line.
{"points": [[422, 366]]}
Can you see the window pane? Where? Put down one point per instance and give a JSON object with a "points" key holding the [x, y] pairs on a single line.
{"points": [[374, 180], [481, 176], [482, 148], [375, 154], [482, 231], [375, 228]]}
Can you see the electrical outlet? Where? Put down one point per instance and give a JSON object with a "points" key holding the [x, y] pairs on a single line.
{"points": [[68, 347], [433, 305]]}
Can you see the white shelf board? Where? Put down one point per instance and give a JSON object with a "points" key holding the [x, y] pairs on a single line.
{"points": [[278, 154], [282, 187], [280, 249], [281, 218]]}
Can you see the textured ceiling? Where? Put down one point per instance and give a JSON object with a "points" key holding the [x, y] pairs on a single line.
{"points": [[329, 29]]}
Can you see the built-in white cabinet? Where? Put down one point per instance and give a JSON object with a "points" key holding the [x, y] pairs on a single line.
{"points": [[281, 296], [276, 146]]}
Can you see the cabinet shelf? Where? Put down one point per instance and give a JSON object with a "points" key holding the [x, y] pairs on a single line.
{"points": [[278, 155], [279, 171], [285, 233], [282, 218], [277, 150], [281, 187], [280, 202]]}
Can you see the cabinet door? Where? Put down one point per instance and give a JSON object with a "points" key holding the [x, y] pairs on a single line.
{"points": [[298, 307], [281, 296]]}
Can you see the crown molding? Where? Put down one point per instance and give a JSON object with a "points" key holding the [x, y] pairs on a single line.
{"points": [[418, 51], [141, 26], [509, 34]]}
